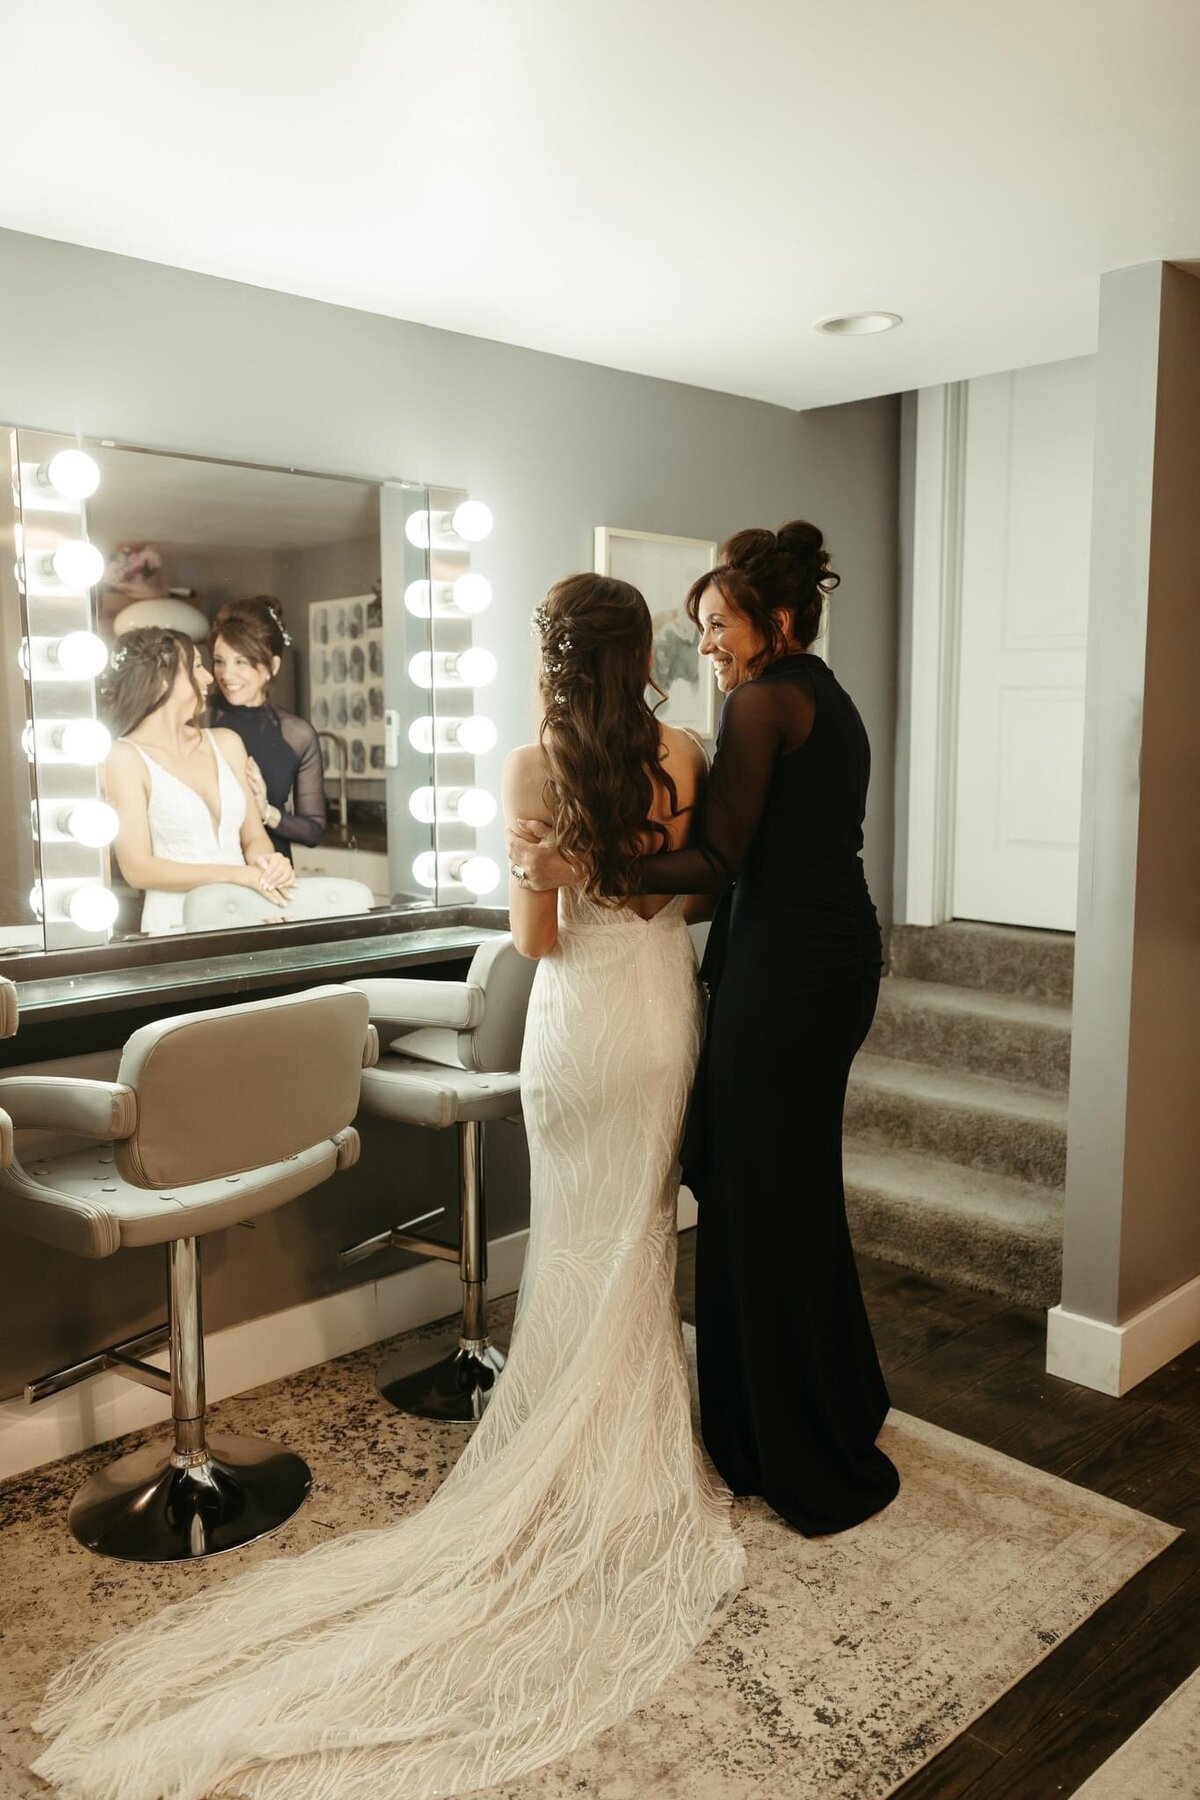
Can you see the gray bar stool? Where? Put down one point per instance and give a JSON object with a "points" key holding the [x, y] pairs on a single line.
{"points": [[454, 1056], [214, 1118]]}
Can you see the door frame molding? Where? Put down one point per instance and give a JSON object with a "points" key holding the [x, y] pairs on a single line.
{"points": [[937, 555]]}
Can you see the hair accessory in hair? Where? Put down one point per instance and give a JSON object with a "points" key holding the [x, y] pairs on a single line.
{"points": [[284, 633]]}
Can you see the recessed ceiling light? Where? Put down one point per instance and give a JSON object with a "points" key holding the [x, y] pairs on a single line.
{"points": [[858, 324]]}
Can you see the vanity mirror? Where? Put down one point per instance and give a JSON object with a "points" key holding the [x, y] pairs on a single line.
{"points": [[317, 630]]}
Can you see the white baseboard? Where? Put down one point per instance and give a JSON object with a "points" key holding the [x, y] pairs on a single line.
{"points": [[1114, 1358], [245, 1356]]}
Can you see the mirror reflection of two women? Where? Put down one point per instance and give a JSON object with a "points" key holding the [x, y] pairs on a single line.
{"points": [[198, 805]]}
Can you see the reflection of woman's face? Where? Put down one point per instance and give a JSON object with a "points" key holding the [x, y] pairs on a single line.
{"points": [[242, 682], [728, 636], [182, 692]]}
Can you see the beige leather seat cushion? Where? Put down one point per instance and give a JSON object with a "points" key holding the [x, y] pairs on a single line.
{"points": [[98, 1213], [416, 1093]]}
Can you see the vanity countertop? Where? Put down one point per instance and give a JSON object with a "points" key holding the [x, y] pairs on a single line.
{"points": [[46, 996]]}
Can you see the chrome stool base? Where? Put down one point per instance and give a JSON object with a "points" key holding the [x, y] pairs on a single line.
{"points": [[443, 1377], [143, 1508]]}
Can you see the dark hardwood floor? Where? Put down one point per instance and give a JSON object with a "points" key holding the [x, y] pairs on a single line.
{"points": [[976, 1365]]}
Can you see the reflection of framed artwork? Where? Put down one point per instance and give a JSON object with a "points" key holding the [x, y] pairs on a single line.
{"points": [[345, 679], [663, 569]]}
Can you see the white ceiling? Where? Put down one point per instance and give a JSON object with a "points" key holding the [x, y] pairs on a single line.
{"points": [[144, 498], [678, 187]]}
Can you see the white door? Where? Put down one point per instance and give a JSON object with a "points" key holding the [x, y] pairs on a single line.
{"points": [[1026, 525]]}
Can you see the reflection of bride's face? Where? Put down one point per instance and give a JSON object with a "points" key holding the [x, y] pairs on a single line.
{"points": [[183, 695], [242, 682]]}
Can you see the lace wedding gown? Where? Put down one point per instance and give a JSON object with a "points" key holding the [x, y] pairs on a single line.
{"points": [[575, 1555]]}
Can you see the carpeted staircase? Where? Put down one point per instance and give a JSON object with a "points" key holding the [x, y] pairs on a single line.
{"points": [[956, 1118]]}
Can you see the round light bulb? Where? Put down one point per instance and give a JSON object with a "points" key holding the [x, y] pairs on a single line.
{"points": [[479, 874], [420, 669], [416, 530], [28, 740], [24, 660], [92, 908], [81, 655], [472, 521], [418, 597], [476, 807], [37, 900], [90, 822], [84, 741], [78, 564], [423, 805], [472, 593], [476, 735], [420, 735], [475, 666], [425, 869], [73, 474]]}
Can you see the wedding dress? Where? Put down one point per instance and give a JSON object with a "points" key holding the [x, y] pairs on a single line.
{"points": [[577, 1552], [182, 829]]}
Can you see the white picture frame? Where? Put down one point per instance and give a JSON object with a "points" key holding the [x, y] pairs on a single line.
{"points": [[663, 568]]}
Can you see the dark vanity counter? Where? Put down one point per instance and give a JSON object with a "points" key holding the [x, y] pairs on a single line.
{"points": [[46, 997], [151, 972]]}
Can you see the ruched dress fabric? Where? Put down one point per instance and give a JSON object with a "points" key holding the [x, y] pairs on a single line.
{"points": [[791, 1393], [578, 1551], [183, 830]]}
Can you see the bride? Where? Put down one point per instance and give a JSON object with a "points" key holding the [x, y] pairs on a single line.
{"points": [[186, 810], [577, 1552]]}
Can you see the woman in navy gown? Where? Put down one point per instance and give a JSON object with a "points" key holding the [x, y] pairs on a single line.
{"points": [[792, 1395], [247, 642]]}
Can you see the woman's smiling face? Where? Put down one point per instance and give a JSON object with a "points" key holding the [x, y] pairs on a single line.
{"points": [[243, 683], [728, 636]]}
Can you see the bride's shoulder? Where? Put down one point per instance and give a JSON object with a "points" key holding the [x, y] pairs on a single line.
{"points": [[523, 779], [526, 759], [684, 746]]}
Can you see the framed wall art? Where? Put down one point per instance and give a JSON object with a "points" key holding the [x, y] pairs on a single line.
{"points": [[663, 569], [346, 679]]}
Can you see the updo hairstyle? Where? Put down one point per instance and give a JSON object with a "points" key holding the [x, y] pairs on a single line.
{"points": [[252, 628], [764, 573]]}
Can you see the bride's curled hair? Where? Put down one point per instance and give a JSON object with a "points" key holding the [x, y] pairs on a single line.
{"points": [[141, 674], [599, 735]]}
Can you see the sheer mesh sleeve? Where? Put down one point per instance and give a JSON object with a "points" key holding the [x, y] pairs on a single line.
{"points": [[305, 822], [760, 722]]}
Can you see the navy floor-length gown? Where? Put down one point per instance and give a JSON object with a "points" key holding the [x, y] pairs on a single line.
{"points": [[792, 1395]]}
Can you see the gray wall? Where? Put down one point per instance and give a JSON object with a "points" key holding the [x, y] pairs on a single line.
{"points": [[156, 356], [1132, 1223]]}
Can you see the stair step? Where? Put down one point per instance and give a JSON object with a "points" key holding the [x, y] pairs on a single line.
{"points": [[981, 1230], [974, 1120], [1002, 1035], [1004, 959]]}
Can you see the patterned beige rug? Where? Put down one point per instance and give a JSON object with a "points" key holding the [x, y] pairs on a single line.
{"points": [[1159, 1762], [844, 1665]]}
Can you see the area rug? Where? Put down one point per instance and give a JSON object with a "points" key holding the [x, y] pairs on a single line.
{"points": [[845, 1664], [1161, 1761]]}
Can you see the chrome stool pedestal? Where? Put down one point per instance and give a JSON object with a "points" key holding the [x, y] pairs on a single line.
{"points": [[207, 1494], [448, 1374], [453, 1061]]}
